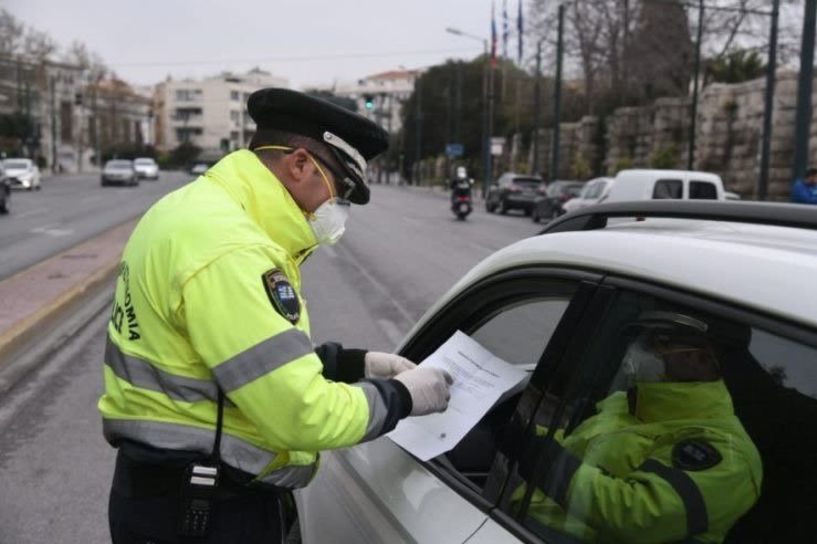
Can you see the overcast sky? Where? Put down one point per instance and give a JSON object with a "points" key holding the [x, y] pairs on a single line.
{"points": [[306, 41]]}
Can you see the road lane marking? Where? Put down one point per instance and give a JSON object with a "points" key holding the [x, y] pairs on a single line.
{"points": [[35, 211], [52, 230]]}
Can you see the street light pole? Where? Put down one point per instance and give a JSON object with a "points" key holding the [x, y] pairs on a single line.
{"points": [[694, 119], [771, 69], [557, 95], [53, 124], [537, 108], [487, 109], [803, 115]]}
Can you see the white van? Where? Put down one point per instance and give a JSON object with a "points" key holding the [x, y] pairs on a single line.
{"points": [[665, 184]]}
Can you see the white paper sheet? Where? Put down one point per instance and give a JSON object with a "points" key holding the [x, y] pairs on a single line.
{"points": [[480, 379]]}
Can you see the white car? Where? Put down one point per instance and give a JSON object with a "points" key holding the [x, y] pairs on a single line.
{"points": [[594, 191], [22, 174], [146, 168], [562, 304], [648, 184]]}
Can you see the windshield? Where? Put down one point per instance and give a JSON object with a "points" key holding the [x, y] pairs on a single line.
{"points": [[119, 165], [144, 162], [15, 165]]}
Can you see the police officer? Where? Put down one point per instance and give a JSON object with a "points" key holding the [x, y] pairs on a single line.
{"points": [[215, 396], [665, 461]]}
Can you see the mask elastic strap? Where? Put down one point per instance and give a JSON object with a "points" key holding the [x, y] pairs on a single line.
{"points": [[311, 158]]}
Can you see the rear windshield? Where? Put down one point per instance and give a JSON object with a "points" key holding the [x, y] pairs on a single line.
{"points": [[15, 165], [668, 188], [528, 182], [703, 190], [119, 164]]}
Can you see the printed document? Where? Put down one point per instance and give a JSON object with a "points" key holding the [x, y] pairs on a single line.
{"points": [[480, 379]]}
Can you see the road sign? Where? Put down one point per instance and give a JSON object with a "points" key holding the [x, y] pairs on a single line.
{"points": [[454, 150], [497, 144]]}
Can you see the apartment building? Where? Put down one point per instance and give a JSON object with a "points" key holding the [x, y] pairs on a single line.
{"points": [[380, 97], [210, 113]]}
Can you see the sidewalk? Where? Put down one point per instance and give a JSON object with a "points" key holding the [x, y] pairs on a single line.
{"points": [[31, 300]]}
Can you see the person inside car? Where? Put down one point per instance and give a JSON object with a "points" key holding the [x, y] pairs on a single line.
{"points": [[665, 460]]}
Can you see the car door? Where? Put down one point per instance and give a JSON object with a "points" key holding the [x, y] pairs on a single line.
{"points": [[377, 492], [763, 487]]}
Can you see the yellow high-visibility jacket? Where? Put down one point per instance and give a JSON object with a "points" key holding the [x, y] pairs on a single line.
{"points": [[670, 463], [192, 315]]}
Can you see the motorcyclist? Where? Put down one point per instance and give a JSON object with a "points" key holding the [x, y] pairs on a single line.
{"points": [[461, 184]]}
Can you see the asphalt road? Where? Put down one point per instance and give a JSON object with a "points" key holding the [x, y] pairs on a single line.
{"points": [[399, 255], [68, 210]]}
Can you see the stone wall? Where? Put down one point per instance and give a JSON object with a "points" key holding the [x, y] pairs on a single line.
{"points": [[728, 137]]}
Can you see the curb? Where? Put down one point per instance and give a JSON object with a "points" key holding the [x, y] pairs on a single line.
{"points": [[45, 304]]}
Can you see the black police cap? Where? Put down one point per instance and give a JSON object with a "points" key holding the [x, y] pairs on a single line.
{"points": [[351, 137]]}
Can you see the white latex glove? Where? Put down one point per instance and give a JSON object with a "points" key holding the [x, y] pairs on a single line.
{"points": [[429, 389], [377, 364]]}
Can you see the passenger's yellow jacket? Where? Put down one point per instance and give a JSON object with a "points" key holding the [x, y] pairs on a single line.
{"points": [[628, 485]]}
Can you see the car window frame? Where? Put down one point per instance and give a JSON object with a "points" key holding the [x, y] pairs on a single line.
{"points": [[436, 331], [594, 316]]}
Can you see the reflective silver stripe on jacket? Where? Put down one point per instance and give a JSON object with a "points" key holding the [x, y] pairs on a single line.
{"points": [[141, 373], [262, 358], [234, 451], [687, 489], [377, 411]]}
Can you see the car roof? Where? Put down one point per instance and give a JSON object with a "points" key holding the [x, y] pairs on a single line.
{"points": [[767, 267], [661, 173]]}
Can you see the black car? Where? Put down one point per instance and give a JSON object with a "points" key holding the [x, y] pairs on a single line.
{"points": [[5, 193], [514, 191], [549, 205]]}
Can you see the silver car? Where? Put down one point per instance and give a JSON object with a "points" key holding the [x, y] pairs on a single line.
{"points": [[146, 168], [563, 305], [119, 172], [22, 174]]}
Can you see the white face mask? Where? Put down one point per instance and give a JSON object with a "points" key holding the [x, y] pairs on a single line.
{"points": [[642, 364], [328, 222]]}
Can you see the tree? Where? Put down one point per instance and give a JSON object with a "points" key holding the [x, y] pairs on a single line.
{"points": [[11, 33], [736, 67]]}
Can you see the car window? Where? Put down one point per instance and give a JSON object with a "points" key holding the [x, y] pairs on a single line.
{"points": [[668, 188], [16, 165], [119, 164], [518, 333], [528, 183], [514, 318], [678, 425], [703, 190], [144, 161], [596, 190]]}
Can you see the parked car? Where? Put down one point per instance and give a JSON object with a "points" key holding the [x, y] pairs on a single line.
{"points": [[514, 192], [5, 192], [562, 305], [22, 174], [593, 192], [645, 184], [199, 168], [146, 168], [119, 172], [549, 205]]}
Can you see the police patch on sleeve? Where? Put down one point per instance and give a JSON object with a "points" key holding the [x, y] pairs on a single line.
{"points": [[695, 454], [282, 295]]}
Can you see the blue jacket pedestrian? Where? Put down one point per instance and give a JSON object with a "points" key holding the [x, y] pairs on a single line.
{"points": [[804, 191]]}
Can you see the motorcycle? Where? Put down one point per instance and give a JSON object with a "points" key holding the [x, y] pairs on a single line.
{"points": [[461, 201]]}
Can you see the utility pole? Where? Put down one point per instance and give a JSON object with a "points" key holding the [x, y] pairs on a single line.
{"points": [[53, 80], [537, 109], [694, 119], [418, 142], [803, 115], [557, 95], [768, 110]]}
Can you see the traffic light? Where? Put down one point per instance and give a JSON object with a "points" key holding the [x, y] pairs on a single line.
{"points": [[368, 101]]}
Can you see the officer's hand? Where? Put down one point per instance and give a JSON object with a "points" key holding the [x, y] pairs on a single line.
{"points": [[429, 389], [377, 364]]}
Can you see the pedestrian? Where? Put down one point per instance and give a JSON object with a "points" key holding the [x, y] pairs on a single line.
{"points": [[214, 395], [804, 191], [667, 460]]}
